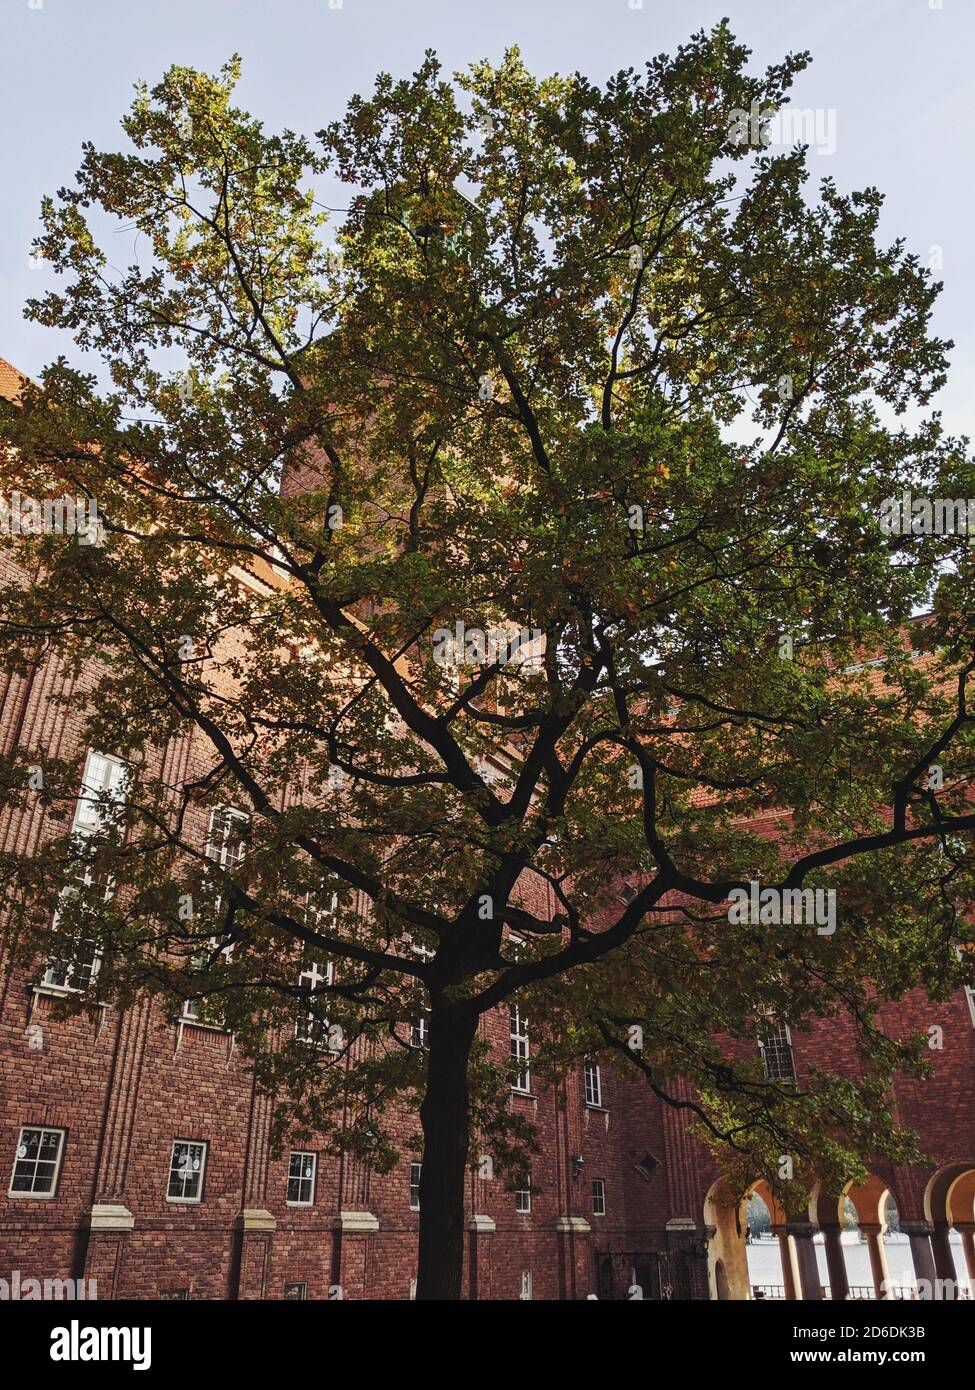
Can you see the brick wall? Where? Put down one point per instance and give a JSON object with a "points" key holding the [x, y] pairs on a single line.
{"points": [[125, 1084]]}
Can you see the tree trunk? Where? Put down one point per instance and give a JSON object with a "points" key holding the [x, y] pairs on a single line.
{"points": [[444, 1115]]}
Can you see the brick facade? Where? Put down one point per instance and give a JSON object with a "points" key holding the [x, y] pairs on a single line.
{"points": [[124, 1085]]}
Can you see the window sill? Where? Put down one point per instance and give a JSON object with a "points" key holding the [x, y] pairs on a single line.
{"points": [[599, 1109], [204, 1027], [56, 991], [185, 1201], [526, 1095], [63, 992], [31, 1196]]}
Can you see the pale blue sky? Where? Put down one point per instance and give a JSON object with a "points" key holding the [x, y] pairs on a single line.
{"points": [[897, 73]]}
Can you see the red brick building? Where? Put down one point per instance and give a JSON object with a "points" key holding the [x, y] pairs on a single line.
{"points": [[136, 1150]]}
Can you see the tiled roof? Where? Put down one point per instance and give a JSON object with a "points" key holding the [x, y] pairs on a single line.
{"points": [[10, 381]]}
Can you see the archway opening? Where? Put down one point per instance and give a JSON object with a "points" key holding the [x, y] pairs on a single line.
{"points": [[949, 1205], [876, 1256], [745, 1251], [763, 1247], [727, 1260]]}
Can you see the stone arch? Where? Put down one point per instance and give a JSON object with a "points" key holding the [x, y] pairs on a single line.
{"points": [[775, 1209], [724, 1215], [870, 1199], [949, 1201], [827, 1210], [950, 1195], [727, 1260]]}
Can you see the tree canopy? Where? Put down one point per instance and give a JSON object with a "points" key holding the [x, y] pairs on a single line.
{"points": [[575, 366]]}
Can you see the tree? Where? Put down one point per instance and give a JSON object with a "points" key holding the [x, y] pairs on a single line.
{"points": [[515, 412]]}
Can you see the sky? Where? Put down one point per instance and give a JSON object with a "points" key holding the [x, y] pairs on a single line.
{"points": [[891, 79]]}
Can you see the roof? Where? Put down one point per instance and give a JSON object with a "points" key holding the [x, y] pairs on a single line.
{"points": [[10, 381]]}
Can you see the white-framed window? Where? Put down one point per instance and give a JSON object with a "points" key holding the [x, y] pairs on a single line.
{"points": [[302, 1168], [415, 1186], [75, 971], [318, 914], [525, 1286], [225, 845], [203, 1013], [775, 1046], [420, 1023], [195, 1011], [516, 946], [593, 1084], [419, 949], [598, 1197], [37, 1161], [518, 1034], [296, 1293], [487, 771], [187, 1166], [104, 785], [311, 1028], [523, 1199], [420, 1030]]}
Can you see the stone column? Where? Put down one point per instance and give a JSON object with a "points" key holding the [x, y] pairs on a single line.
{"points": [[479, 1232], [353, 1230], [574, 1255], [802, 1233], [919, 1234], [878, 1257], [255, 1225], [839, 1284], [967, 1229], [110, 1226], [943, 1261], [255, 1228], [790, 1270]]}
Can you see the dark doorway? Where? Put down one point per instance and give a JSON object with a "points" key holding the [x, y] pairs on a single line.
{"points": [[624, 1275]]}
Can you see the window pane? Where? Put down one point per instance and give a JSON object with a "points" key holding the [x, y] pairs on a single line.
{"points": [[301, 1178], [36, 1160], [186, 1171], [23, 1177]]}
